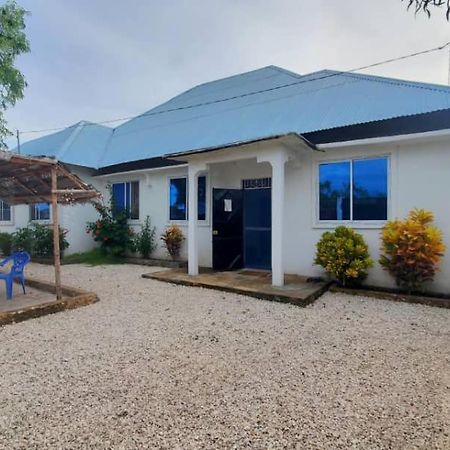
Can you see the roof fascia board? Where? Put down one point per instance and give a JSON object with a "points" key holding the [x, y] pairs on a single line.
{"points": [[180, 155], [141, 171], [387, 139]]}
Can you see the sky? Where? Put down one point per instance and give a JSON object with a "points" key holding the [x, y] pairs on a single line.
{"points": [[100, 60]]}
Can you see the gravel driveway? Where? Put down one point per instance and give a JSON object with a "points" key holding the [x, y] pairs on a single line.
{"points": [[160, 366]]}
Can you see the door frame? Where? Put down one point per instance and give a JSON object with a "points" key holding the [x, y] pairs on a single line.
{"points": [[246, 184]]}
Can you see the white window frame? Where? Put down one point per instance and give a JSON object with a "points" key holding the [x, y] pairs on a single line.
{"points": [[355, 223], [11, 209], [183, 222]]}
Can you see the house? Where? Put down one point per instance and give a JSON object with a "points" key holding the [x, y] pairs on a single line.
{"points": [[255, 167]]}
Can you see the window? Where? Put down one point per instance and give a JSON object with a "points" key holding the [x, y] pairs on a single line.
{"points": [[5, 212], [353, 190], [40, 211], [370, 189], [178, 198], [126, 197]]}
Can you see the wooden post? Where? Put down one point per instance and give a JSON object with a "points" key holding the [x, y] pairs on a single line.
{"points": [[56, 250]]}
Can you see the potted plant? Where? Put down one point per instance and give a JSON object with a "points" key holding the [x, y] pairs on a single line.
{"points": [[173, 239]]}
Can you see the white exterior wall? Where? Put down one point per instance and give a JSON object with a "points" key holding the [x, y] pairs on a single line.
{"points": [[75, 217], [154, 199], [19, 218], [154, 202], [418, 177]]}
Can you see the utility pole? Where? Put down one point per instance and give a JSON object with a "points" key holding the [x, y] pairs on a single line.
{"points": [[18, 140], [449, 66]]}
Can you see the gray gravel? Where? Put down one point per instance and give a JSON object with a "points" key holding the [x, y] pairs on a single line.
{"points": [[161, 366]]}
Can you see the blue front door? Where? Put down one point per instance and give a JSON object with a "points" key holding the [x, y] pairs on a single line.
{"points": [[258, 228]]}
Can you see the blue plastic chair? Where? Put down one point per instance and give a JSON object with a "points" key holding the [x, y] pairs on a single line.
{"points": [[20, 260]]}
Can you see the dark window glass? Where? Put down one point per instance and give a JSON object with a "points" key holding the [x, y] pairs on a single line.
{"points": [[40, 211], [334, 191], [5, 212], [118, 191], [133, 206], [370, 189], [178, 201], [201, 198], [126, 197]]}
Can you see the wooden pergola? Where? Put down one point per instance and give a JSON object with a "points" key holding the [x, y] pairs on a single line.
{"points": [[27, 180]]}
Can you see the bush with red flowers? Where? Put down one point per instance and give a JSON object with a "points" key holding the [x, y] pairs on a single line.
{"points": [[111, 230]]}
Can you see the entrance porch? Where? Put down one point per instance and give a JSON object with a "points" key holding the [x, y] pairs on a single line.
{"points": [[297, 290], [247, 219]]}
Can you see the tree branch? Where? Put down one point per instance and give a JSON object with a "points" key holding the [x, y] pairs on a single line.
{"points": [[426, 6]]}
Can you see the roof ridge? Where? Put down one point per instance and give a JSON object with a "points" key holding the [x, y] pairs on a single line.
{"points": [[285, 71], [233, 76], [70, 140], [105, 149], [97, 124]]}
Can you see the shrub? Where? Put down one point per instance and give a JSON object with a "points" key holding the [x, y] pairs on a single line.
{"points": [[43, 240], [144, 242], [344, 255], [37, 239], [5, 243], [23, 239], [111, 230], [411, 249], [173, 239]]}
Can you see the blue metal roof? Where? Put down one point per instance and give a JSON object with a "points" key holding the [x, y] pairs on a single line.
{"points": [[266, 102], [82, 144]]}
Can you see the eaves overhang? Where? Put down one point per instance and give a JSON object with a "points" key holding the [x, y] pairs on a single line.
{"points": [[301, 138]]}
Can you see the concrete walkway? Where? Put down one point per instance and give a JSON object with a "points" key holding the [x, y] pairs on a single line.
{"points": [[40, 300], [297, 290], [32, 298]]}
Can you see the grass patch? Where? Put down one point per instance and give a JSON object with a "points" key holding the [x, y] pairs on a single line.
{"points": [[93, 258]]}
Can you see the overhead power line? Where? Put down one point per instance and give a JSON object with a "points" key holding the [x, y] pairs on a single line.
{"points": [[251, 93]]}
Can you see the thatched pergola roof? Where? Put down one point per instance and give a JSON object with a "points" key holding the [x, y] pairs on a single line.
{"points": [[28, 180]]}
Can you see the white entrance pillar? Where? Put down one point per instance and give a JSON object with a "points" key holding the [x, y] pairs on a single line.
{"points": [[278, 162], [193, 171]]}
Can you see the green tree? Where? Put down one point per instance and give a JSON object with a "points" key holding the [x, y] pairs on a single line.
{"points": [[426, 6], [13, 42]]}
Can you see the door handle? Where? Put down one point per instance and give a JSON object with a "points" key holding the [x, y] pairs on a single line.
{"points": [[215, 232]]}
